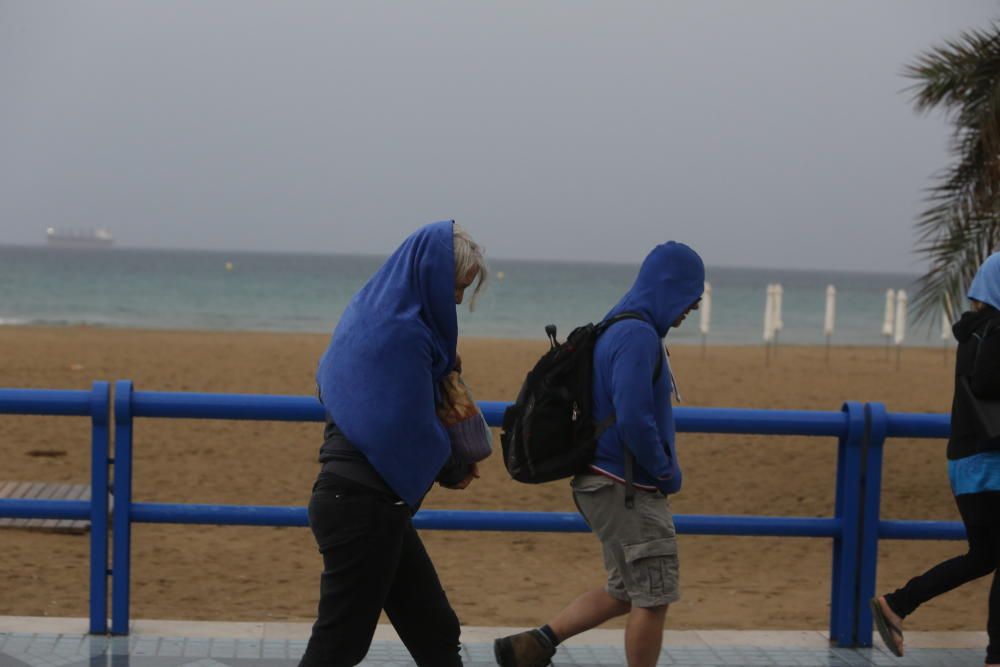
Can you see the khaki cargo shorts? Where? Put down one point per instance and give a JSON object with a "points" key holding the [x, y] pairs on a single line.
{"points": [[640, 544]]}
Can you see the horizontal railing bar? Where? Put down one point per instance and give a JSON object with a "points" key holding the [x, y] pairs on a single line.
{"points": [[693, 524], [190, 405], [185, 405], [63, 402], [761, 422], [917, 425], [20, 508], [732, 420], [222, 515], [561, 522], [760, 526], [921, 530], [555, 522]]}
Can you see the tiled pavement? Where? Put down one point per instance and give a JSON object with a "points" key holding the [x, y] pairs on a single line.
{"points": [[243, 649]]}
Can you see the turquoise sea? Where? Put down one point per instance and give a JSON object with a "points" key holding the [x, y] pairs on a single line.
{"points": [[179, 289]]}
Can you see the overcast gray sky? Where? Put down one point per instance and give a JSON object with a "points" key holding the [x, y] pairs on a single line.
{"points": [[764, 133]]}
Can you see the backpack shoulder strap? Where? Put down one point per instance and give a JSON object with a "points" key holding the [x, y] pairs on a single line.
{"points": [[604, 324]]}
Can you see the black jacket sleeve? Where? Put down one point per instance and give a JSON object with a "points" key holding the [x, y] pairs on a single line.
{"points": [[985, 378]]}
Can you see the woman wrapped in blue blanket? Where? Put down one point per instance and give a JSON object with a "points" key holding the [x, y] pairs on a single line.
{"points": [[385, 445]]}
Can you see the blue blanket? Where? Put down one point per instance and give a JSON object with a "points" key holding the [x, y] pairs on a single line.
{"points": [[395, 342]]}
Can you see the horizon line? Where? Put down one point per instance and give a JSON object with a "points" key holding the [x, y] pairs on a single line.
{"points": [[489, 259]]}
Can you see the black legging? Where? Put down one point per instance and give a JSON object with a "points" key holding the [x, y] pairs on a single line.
{"points": [[981, 516], [373, 559]]}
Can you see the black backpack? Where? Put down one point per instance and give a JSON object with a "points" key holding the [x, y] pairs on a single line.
{"points": [[549, 433]]}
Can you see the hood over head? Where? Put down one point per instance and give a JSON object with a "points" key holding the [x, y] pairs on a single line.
{"points": [[671, 278], [985, 286], [395, 341]]}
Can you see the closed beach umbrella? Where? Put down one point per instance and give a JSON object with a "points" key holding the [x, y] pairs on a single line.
{"points": [[900, 333], [889, 321], [828, 320], [768, 324], [706, 315], [779, 293], [946, 334], [706, 309], [769, 315], [890, 310], [831, 310], [946, 315], [777, 324], [900, 330]]}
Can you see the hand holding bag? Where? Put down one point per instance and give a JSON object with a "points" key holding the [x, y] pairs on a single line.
{"points": [[471, 439]]}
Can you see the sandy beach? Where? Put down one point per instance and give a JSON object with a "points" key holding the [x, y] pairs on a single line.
{"points": [[511, 579]]}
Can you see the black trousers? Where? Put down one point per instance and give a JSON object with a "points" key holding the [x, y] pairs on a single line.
{"points": [[981, 516], [373, 559]]}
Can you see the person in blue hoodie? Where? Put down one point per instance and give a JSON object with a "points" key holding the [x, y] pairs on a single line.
{"points": [[973, 470], [631, 381], [384, 447]]}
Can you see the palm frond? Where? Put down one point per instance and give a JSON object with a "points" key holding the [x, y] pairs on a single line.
{"points": [[961, 226], [954, 260]]}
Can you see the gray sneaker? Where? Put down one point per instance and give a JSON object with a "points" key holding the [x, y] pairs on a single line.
{"points": [[525, 649]]}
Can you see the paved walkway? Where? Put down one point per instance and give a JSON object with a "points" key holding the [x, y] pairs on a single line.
{"points": [[41, 642]]}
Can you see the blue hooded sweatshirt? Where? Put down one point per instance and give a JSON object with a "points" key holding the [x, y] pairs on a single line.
{"points": [[980, 473], [626, 359], [395, 341]]}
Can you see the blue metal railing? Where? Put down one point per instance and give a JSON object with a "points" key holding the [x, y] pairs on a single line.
{"points": [[855, 527], [844, 527], [94, 404], [881, 426]]}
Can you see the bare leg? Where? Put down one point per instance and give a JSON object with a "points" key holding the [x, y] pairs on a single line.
{"points": [[587, 611], [644, 635]]}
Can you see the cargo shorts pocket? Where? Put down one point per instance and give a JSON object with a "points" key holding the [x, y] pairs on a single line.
{"points": [[589, 493], [653, 571]]}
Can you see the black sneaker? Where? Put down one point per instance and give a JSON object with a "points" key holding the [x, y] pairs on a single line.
{"points": [[525, 649]]}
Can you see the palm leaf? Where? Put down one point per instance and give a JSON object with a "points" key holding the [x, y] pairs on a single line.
{"points": [[961, 226]]}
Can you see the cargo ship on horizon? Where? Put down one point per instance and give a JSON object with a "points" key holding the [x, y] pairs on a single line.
{"points": [[79, 238]]}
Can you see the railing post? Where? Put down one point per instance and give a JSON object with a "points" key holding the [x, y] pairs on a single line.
{"points": [[848, 512], [877, 424], [100, 408], [122, 528]]}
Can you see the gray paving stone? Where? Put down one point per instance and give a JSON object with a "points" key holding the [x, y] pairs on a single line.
{"points": [[47, 650], [195, 649], [10, 661]]}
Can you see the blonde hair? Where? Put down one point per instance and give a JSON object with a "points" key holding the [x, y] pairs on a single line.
{"points": [[469, 255]]}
